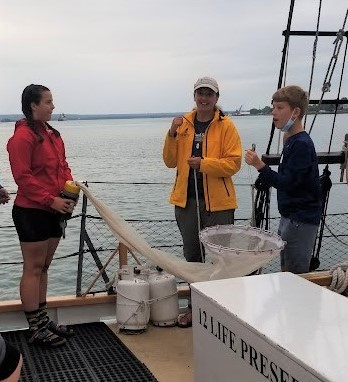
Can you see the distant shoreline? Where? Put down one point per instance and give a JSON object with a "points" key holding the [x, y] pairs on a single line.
{"points": [[76, 117], [86, 117]]}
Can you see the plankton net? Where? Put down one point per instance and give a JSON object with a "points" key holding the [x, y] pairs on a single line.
{"points": [[240, 249], [232, 251]]}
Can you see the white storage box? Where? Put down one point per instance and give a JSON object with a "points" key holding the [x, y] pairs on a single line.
{"points": [[277, 327]]}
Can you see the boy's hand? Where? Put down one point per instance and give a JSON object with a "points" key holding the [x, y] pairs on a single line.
{"points": [[4, 196], [252, 159]]}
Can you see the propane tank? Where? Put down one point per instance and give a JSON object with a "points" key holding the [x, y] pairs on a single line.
{"points": [[132, 307], [164, 297]]}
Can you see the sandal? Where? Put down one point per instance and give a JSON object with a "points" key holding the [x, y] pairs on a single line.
{"points": [[45, 337], [185, 320], [60, 330]]}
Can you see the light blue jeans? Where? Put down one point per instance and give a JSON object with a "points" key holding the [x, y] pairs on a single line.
{"points": [[300, 239]]}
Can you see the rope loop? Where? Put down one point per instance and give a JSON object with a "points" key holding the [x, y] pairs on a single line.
{"points": [[339, 283]]}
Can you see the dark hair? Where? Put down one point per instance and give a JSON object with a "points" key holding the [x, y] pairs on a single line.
{"points": [[33, 93]]}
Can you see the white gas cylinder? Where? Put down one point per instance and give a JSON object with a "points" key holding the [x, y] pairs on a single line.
{"points": [[132, 307], [164, 299]]}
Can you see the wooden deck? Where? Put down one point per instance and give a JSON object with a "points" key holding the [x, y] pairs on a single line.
{"points": [[166, 351]]}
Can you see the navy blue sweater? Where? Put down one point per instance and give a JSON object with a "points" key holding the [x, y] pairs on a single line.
{"points": [[297, 180]]}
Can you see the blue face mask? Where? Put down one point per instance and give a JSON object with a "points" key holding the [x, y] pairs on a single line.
{"points": [[288, 125]]}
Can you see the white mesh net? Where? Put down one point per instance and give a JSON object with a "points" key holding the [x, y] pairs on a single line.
{"points": [[231, 251], [240, 250]]}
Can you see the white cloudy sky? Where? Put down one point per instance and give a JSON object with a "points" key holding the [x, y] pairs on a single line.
{"points": [[129, 56]]}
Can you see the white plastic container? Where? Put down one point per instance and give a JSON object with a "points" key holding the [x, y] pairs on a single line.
{"points": [[165, 308], [132, 308]]}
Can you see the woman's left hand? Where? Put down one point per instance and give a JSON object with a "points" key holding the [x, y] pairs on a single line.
{"points": [[194, 162], [63, 205]]}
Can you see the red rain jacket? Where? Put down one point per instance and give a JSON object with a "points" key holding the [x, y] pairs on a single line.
{"points": [[40, 169]]}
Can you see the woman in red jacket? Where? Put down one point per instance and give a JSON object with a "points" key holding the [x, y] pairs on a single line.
{"points": [[39, 167]]}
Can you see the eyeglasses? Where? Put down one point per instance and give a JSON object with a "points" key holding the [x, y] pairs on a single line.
{"points": [[205, 93]]}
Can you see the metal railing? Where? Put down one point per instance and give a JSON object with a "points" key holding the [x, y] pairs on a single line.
{"points": [[98, 252], [97, 245]]}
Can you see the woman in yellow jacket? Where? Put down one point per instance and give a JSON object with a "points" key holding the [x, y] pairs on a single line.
{"points": [[205, 147]]}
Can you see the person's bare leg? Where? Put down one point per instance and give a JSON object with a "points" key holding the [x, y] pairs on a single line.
{"points": [[33, 283], [60, 330], [51, 248], [34, 259]]}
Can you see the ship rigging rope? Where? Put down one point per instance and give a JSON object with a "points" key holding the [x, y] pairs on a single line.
{"points": [[330, 70], [286, 62], [325, 180], [325, 186], [198, 216], [261, 199], [314, 56], [344, 165]]}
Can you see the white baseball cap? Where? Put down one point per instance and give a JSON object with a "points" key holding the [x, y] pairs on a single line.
{"points": [[206, 82]]}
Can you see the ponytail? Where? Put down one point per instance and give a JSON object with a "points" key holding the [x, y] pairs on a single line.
{"points": [[31, 124], [55, 131]]}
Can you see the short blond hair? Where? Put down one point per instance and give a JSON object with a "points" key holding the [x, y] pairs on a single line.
{"points": [[294, 95]]}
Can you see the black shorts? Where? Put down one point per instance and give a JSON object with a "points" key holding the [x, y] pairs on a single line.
{"points": [[33, 224], [10, 362]]}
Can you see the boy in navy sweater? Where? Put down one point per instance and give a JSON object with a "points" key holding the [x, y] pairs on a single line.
{"points": [[297, 180]]}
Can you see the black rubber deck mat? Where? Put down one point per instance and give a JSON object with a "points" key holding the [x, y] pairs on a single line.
{"points": [[95, 353]]}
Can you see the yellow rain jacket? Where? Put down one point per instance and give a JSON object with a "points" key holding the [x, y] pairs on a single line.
{"points": [[221, 151]]}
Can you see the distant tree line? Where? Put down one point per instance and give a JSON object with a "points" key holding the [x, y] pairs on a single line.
{"points": [[265, 111], [326, 108]]}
